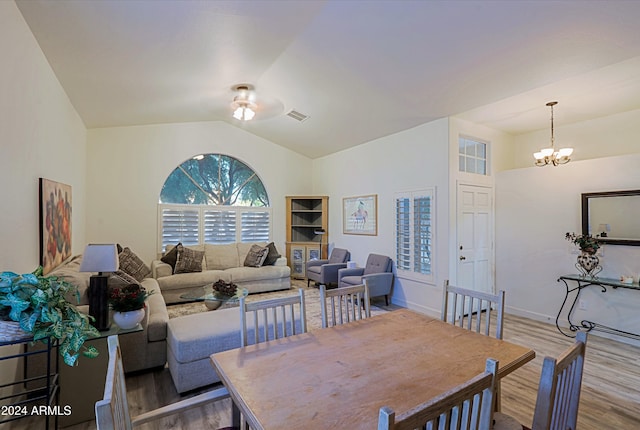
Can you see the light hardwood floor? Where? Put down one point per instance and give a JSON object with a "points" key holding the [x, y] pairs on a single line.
{"points": [[610, 396]]}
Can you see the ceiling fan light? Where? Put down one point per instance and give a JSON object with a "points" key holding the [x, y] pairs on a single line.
{"points": [[248, 114], [243, 111]]}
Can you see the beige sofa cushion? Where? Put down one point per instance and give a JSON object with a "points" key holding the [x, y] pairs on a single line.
{"points": [[69, 272], [221, 257]]}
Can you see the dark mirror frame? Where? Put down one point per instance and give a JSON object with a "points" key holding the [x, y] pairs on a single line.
{"points": [[585, 215]]}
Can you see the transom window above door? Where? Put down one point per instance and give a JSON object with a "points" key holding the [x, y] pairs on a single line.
{"points": [[213, 198], [472, 156]]}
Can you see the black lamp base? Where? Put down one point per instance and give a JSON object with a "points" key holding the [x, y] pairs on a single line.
{"points": [[99, 301]]}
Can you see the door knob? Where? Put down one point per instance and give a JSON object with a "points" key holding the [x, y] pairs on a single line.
{"points": [[462, 257]]}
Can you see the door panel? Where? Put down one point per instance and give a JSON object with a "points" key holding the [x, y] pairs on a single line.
{"points": [[475, 237]]}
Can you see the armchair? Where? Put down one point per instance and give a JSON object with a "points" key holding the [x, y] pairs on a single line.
{"points": [[325, 272], [377, 273]]}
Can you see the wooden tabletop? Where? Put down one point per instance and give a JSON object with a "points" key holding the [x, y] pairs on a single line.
{"points": [[341, 376]]}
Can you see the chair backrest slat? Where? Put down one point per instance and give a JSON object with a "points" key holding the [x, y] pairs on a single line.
{"points": [[472, 309], [112, 412], [345, 304], [273, 318], [465, 407], [559, 389]]}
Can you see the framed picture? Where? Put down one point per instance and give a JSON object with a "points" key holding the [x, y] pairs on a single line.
{"points": [[55, 224], [360, 215]]}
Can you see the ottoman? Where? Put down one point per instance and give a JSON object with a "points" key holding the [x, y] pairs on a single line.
{"points": [[191, 339]]}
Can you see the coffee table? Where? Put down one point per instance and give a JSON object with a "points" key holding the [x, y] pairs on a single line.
{"points": [[213, 299]]}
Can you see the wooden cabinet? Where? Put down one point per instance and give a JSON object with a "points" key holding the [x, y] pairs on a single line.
{"points": [[305, 216]]}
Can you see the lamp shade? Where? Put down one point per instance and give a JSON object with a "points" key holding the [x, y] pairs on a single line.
{"points": [[100, 258]]}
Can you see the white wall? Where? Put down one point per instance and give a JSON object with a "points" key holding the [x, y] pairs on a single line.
{"points": [[41, 135], [127, 167], [535, 208], [409, 160], [602, 137]]}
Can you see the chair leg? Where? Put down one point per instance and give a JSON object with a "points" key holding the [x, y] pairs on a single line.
{"points": [[308, 282], [386, 299]]}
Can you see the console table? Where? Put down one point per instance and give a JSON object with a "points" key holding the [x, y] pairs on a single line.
{"points": [[586, 325], [20, 403]]}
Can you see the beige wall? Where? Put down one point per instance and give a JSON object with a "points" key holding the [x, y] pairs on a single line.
{"points": [[409, 160], [603, 137], [41, 135], [127, 167], [535, 208]]}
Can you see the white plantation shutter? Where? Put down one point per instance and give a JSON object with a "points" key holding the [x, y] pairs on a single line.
{"points": [[196, 224], [414, 234], [219, 226], [403, 233], [422, 234], [179, 225], [255, 226]]}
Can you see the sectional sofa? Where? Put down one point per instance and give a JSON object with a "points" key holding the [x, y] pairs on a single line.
{"points": [[227, 262], [140, 350]]}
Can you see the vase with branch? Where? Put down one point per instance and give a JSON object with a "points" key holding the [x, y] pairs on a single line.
{"points": [[588, 263]]}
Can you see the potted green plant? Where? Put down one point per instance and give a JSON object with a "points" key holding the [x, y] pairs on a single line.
{"points": [[38, 304], [586, 242], [128, 304], [588, 262]]}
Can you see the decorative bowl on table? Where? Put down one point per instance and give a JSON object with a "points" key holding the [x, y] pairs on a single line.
{"points": [[222, 292]]}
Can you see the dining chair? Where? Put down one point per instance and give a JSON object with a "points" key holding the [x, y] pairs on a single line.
{"points": [[469, 308], [112, 412], [467, 406], [272, 318], [558, 392], [343, 305]]}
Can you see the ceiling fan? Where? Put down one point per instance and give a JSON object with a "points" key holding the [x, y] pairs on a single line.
{"points": [[241, 102]]}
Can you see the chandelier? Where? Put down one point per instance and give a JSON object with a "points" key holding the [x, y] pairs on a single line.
{"points": [[244, 109], [550, 155]]}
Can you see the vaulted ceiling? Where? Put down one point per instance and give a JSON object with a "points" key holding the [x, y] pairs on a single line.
{"points": [[359, 69]]}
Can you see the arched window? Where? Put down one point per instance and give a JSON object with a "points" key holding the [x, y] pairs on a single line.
{"points": [[213, 198]]}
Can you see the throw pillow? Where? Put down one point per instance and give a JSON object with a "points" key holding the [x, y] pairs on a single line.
{"points": [[256, 256], [188, 260], [272, 255], [171, 257], [132, 265], [119, 279]]}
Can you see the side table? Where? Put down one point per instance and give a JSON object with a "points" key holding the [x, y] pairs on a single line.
{"points": [[582, 282], [20, 403], [82, 385]]}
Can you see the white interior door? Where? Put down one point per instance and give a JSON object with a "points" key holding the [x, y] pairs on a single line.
{"points": [[475, 238]]}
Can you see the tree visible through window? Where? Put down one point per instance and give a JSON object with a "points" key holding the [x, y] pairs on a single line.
{"points": [[214, 179], [213, 198]]}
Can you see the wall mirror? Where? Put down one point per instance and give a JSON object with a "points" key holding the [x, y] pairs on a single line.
{"points": [[613, 215]]}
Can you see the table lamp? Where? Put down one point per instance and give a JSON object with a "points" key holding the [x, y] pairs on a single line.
{"points": [[99, 258]]}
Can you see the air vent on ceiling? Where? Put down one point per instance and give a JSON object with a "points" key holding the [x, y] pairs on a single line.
{"points": [[298, 116]]}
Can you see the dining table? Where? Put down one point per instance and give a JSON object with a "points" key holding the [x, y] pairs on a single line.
{"points": [[340, 377]]}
